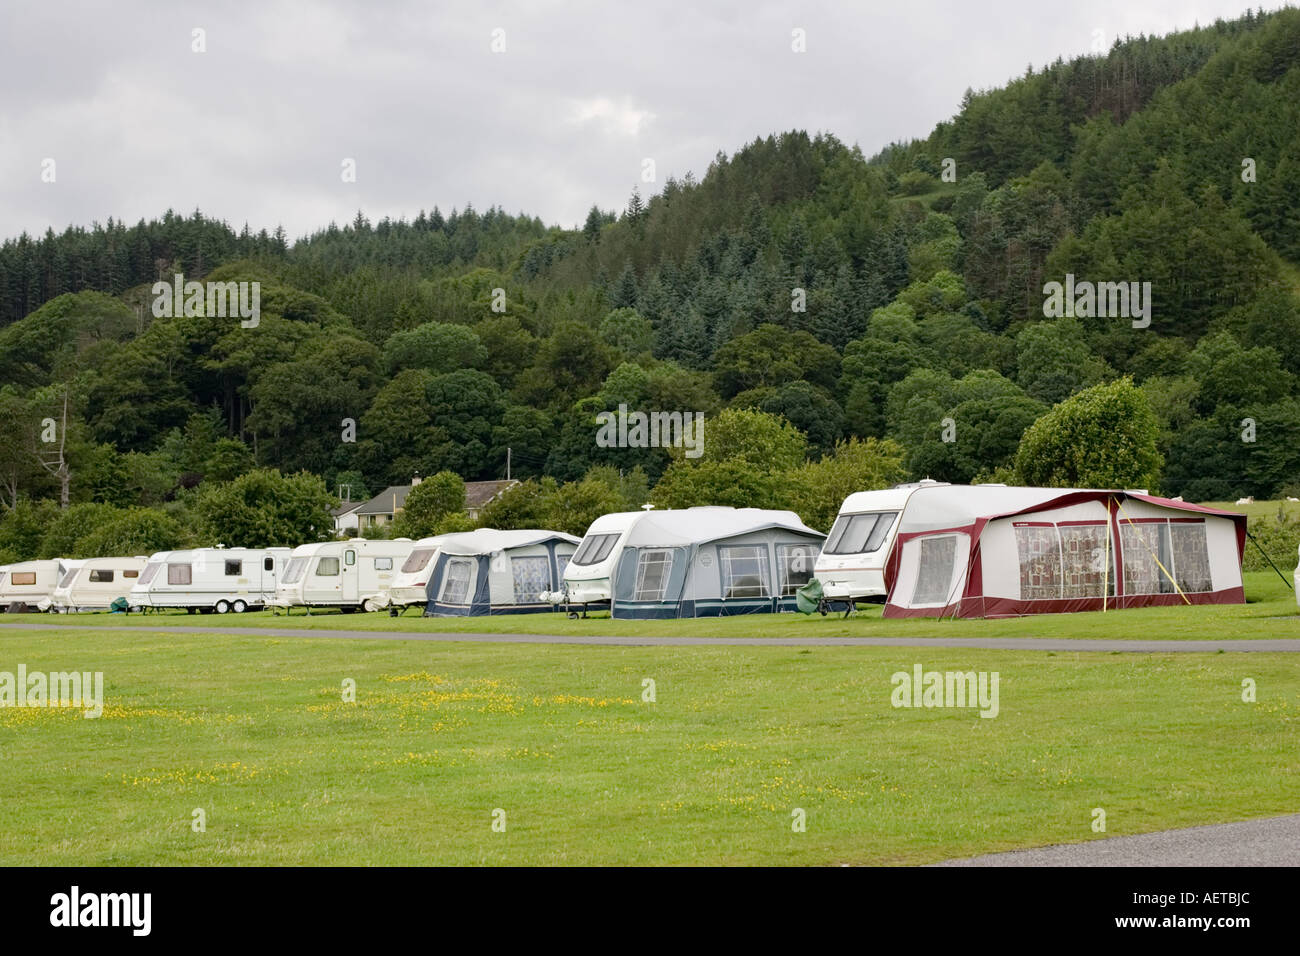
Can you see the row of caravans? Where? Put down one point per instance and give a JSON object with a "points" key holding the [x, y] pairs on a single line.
{"points": [[922, 549]]}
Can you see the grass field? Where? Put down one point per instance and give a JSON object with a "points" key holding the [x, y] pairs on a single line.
{"points": [[1271, 611], [255, 732]]}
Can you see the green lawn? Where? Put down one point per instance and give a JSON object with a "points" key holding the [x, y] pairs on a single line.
{"points": [[1271, 611], [254, 731]]}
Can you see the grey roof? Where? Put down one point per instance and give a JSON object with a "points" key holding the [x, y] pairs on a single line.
{"points": [[387, 502]]}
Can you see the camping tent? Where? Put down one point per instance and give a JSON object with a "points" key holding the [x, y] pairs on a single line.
{"points": [[702, 562], [994, 551], [497, 572]]}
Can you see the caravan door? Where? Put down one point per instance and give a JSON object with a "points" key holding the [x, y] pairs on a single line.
{"points": [[351, 572]]}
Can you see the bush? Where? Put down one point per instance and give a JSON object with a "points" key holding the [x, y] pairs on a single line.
{"points": [[1279, 536]]}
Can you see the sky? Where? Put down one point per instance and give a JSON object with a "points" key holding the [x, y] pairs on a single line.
{"points": [[538, 107]]}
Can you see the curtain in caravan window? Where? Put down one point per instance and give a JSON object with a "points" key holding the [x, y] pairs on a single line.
{"points": [[179, 574], [1191, 556], [455, 582], [652, 570], [796, 563], [149, 571], [1143, 544], [1085, 566], [327, 568], [1039, 550], [934, 569], [101, 575], [532, 576], [744, 571]]}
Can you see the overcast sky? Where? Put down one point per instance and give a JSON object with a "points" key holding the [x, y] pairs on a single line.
{"points": [[256, 128]]}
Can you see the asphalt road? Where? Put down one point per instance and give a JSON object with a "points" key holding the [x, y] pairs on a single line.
{"points": [[1286, 645], [1274, 841]]}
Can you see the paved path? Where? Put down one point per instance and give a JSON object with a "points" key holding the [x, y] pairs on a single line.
{"points": [[1286, 645], [1274, 841]]}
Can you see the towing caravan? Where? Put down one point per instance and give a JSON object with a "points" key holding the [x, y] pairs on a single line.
{"points": [[692, 562], [97, 583], [209, 580], [343, 574], [852, 562], [31, 584], [410, 584], [996, 551]]}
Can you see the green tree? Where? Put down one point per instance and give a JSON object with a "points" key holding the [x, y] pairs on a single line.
{"points": [[139, 531], [428, 503], [1102, 437], [265, 508]]}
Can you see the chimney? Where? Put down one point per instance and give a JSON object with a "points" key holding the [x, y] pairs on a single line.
{"points": [[415, 479]]}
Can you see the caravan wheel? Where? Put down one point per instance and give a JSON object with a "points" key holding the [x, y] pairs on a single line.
{"points": [[222, 607], [239, 607]]}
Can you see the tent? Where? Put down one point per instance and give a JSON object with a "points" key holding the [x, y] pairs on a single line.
{"points": [[700, 562], [996, 551], [497, 572]]}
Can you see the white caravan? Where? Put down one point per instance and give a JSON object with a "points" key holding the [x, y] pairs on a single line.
{"points": [[210, 580], [851, 565], [33, 582], [97, 583], [409, 587], [343, 574]]}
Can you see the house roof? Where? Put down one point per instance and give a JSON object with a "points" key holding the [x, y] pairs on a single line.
{"points": [[387, 502], [345, 508], [479, 493]]}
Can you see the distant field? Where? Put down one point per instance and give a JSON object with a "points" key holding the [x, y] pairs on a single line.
{"points": [[1271, 612], [1260, 509], [255, 733]]}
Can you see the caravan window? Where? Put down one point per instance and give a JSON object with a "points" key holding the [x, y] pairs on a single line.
{"points": [[327, 568], [22, 578], [934, 570], [859, 534], [179, 574], [1191, 556], [68, 575], [796, 563], [1147, 549], [131, 574], [417, 560], [293, 573], [3, 575], [383, 564], [349, 558], [268, 564], [234, 568], [595, 548], [149, 571], [744, 572], [532, 576], [562, 562], [1085, 567], [455, 583], [652, 571], [101, 576]]}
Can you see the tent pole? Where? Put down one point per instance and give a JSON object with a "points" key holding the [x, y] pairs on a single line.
{"points": [[1105, 568]]}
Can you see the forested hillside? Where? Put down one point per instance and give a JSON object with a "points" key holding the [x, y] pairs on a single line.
{"points": [[884, 313]]}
